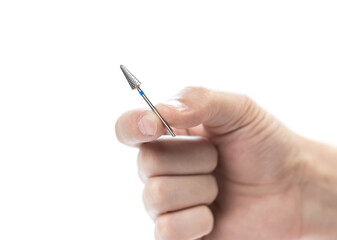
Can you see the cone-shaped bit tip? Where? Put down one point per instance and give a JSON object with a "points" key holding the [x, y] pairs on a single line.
{"points": [[132, 80]]}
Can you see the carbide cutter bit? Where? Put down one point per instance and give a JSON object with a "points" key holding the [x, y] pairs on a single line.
{"points": [[134, 84]]}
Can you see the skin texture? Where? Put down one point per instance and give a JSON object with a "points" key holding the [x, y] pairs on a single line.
{"points": [[234, 172]]}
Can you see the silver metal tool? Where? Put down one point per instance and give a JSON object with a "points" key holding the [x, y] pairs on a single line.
{"points": [[134, 84]]}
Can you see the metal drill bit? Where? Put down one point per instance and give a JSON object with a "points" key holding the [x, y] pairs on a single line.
{"points": [[134, 84]]}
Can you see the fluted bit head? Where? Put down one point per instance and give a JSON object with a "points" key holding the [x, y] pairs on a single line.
{"points": [[132, 80]]}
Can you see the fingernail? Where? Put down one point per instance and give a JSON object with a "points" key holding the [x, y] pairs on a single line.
{"points": [[147, 125], [176, 104]]}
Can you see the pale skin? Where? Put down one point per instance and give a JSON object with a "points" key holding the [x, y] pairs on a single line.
{"points": [[239, 174]]}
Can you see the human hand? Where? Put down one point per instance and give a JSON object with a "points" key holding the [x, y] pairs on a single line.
{"points": [[245, 175]]}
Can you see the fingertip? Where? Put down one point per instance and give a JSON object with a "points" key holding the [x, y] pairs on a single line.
{"points": [[147, 124], [138, 126]]}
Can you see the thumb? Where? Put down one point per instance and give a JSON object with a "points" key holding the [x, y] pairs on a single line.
{"points": [[261, 151], [219, 112]]}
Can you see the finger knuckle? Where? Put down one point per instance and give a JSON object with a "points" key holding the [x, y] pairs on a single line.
{"points": [[212, 155], [147, 161], [247, 109], [117, 130], [165, 228], [213, 187], [154, 195], [249, 102], [246, 98], [246, 103], [208, 218]]}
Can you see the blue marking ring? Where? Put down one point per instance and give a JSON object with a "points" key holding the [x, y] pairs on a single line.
{"points": [[141, 93]]}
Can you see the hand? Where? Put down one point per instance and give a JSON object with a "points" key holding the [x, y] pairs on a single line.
{"points": [[240, 174]]}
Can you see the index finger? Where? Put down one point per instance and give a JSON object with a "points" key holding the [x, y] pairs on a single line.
{"points": [[138, 126]]}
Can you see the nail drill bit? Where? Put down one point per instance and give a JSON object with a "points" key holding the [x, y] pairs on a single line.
{"points": [[134, 84]]}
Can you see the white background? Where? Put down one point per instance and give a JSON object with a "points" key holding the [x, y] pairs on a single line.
{"points": [[63, 175]]}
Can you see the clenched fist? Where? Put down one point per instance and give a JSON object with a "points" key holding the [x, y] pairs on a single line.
{"points": [[234, 172]]}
